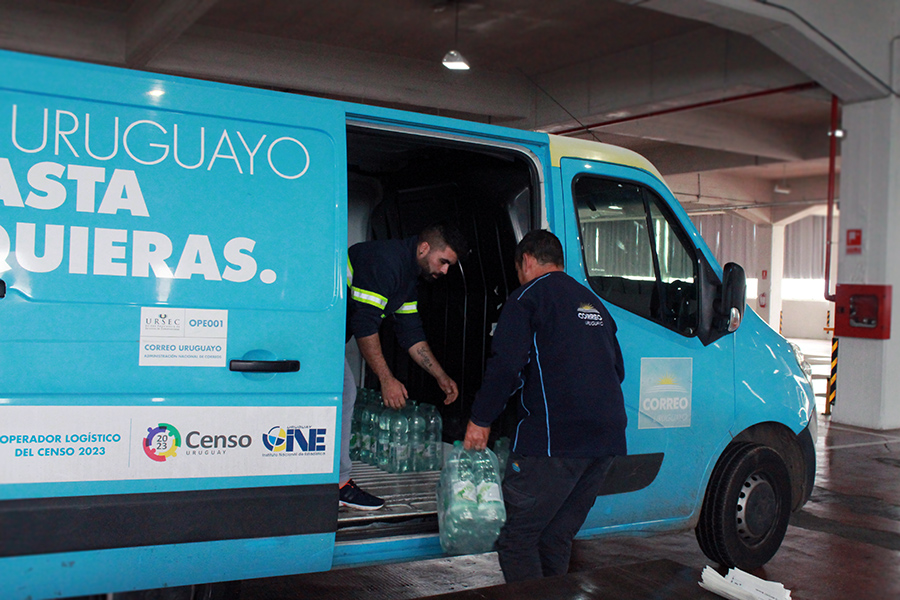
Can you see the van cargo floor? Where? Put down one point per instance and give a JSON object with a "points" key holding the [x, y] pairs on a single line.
{"points": [[407, 497]]}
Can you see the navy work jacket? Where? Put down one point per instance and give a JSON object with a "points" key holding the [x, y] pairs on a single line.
{"points": [[382, 276], [555, 348]]}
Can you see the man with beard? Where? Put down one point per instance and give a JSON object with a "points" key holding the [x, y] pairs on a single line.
{"points": [[382, 276]]}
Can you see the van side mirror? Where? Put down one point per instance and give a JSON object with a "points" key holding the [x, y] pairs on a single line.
{"points": [[730, 306]]}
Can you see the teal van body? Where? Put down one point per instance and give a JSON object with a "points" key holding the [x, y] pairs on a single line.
{"points": [[172, 309]]}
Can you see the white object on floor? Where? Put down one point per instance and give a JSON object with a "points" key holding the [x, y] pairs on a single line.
{"points": [[738, 585]]}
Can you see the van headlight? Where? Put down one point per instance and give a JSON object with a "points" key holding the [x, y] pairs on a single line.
{"points": [[801, 360]]}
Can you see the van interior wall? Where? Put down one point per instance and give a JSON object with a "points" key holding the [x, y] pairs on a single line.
{"points": [[400, 188], [364, 194]]}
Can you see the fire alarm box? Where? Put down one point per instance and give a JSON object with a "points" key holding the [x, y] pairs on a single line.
{"points": [[863, 311]]}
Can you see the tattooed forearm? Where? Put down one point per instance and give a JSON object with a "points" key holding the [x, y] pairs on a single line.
{"points": [[425, 360]]}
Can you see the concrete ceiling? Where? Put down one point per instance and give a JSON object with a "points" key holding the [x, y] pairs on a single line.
{"points": [[698, 96]]}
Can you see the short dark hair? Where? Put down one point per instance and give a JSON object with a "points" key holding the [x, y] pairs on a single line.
{"points": [[543, 246], [442, 234]]}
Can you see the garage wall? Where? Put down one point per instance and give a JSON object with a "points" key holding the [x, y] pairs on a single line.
{"points": [[804, 319]]}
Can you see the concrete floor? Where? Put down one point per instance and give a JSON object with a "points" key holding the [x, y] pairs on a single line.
{"points": [[845, 543]]}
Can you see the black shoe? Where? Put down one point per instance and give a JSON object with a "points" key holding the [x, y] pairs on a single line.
{"points": [[356, 498]]}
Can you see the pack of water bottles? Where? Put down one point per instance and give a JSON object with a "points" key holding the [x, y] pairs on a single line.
{"points": [[469, 501], [397, 441], [501, 449]]}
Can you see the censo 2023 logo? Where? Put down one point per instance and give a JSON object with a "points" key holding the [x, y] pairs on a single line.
{"points": [[164, 440], [161, 442]]}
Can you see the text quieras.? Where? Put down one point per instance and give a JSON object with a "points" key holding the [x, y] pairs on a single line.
{"points": [[98, 190]]}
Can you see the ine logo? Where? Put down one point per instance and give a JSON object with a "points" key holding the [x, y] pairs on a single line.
{"points": [[291, 439], [161, 442]]}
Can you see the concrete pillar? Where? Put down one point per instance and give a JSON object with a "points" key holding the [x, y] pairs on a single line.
{"points": [[771, 260], [834, 250], [868, 377], [776, 275]]}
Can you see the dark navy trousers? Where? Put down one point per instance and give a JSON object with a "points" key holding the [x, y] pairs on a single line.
{"points": [[547, 500]]}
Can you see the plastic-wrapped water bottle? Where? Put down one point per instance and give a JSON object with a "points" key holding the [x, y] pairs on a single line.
{"points": [[365, 430], [491, 510], [462, 505], [434, 433], [383, 438], [464, 488], [375, 407], [449, 474], [501, 449], [417, 425], [369, 427], [399, 448], [362, 398], [470, 502]]}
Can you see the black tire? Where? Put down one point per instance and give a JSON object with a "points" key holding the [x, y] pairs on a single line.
{"points": [[705, 530], [746, 508]]}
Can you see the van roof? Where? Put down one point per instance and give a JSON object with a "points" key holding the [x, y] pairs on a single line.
{"points": [[562, 146]]}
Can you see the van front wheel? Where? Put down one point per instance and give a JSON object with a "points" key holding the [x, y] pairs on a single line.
{"points": [[747, 507]]}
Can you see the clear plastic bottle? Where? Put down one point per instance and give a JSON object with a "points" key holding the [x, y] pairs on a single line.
{"points": [[365, 427], [470, 502], [464, 487], [458, 504], [375, 408], [448, 476], [491, 510], [356, 423], [434, 433], [399, 446], [501, 449], [383, 438], [417, 425]]}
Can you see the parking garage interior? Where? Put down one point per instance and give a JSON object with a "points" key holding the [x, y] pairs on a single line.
{"points": [[772, 123]]}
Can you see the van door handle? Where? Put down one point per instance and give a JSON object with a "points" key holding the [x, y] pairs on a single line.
{"points": [[264, 366]]}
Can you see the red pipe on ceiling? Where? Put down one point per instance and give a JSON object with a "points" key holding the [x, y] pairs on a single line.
{"points": [[782, 90]]}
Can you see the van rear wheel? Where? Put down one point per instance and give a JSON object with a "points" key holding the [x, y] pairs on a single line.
{"points": [[747, 507]]}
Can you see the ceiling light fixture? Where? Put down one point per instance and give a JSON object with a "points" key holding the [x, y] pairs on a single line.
{"points": [[453, 60], [783, 187]]}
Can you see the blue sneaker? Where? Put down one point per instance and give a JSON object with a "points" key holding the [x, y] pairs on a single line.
{"points": [[352, 496]]}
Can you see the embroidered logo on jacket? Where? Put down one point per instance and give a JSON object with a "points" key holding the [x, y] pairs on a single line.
{"points": [[590, 315]]}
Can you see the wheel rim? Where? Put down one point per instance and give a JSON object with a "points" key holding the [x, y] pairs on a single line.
{"points": [[757, 509]]}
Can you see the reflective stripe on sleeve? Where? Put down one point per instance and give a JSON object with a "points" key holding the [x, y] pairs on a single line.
{"points": [[407, 308], [349, 273], [367, 297]]}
